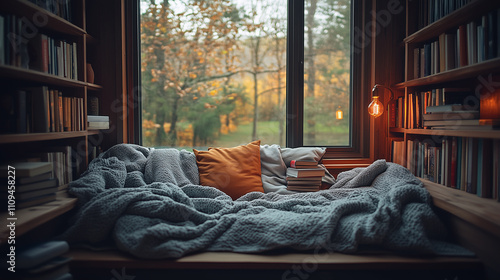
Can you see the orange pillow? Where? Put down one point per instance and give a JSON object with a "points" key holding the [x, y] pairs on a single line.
{"points": [[235, 171]]}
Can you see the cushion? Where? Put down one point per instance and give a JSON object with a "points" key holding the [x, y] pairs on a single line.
{"points": [[302, 153], [235, 171], [273, 169]]}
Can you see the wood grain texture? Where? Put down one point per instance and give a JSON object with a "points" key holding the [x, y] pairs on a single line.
{"points": [[228, 260], [481, 212]]}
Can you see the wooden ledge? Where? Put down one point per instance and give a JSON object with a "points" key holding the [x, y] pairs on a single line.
{"points": [[31, 217], [483, 213], [82, 258]]}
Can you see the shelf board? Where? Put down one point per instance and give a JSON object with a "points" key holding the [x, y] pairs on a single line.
{"points": [[33, 137], [21, 74], [461, 16], [30, 11], [397, 130], [94, 87], [492, 134], [31, 217], [93, 132], [481, 212], [466, 72]]}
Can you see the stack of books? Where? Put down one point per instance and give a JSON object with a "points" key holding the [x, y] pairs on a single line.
{"points": [[34, 183], [304, 176], [456, 116], [97, 122], [44, 261]]}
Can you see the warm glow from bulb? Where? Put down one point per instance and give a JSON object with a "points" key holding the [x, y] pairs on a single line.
{"points": [[376, 108], [339, 114]]}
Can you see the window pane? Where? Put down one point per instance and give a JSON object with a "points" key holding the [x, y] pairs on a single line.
{"points": [[213, 72], [327, 72]]}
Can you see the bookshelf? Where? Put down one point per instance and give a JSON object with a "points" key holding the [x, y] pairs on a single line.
{"points": [[68, 27], [473, 219]]}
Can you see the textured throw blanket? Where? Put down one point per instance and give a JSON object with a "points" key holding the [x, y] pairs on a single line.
{"points": [[148, 202]]}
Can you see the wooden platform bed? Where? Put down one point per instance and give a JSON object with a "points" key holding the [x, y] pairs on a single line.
{"points": [[223, 265], [158, 225], [474, 224]]}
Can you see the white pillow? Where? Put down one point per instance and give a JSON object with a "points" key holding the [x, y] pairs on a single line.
{"points": [[273, 169], [302, 153]]}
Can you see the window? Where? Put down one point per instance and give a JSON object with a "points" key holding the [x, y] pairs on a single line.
{"points": [[214, 73]]}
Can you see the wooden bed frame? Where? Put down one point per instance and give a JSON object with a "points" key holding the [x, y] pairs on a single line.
{"points": [[224, 265], [473, 222]]}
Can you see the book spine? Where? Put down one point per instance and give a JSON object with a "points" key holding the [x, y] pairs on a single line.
{"points": [[453, 167], [462, 32]]}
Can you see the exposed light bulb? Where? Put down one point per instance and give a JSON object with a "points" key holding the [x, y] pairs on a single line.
{"points": [[376, 108], [339, 114]]}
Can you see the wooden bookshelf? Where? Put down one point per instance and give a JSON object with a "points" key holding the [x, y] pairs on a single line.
{"points": [[493, 134], [88, 50], [35, 137], [36, 77], [53, 22], [474, 221], [466, 72], [31, 217], [463, 15], [94, 87]]}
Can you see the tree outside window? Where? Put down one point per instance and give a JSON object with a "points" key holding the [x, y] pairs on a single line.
{"points": [[214, 72]]}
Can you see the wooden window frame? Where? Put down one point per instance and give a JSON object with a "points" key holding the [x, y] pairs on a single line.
{"points": [[360, 122], [359, 153]]}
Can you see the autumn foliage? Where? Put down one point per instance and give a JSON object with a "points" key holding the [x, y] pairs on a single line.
{"points": [[209, 66]]}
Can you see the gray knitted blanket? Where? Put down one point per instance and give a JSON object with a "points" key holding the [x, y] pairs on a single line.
{"points": [[149, 202]]}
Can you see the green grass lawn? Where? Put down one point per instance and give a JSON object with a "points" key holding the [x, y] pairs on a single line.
{"points": [[268, 133]]}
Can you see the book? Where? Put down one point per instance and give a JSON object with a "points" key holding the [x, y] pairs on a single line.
{"points": [[93, 106], [450, 51], [445, 108], [453, 163], [484, 169], [93, 118], [302, 173], [304, 188], [30, 169], [62, 161], [36, 201], [33, 179], [41, 109], [98, 125], [467, 127], [315, 182], [496, 169], [472, 164], [453, 115], [460, 122], [49, 183], [316, 178], [462, 45], [442, 52], [22, 196], [491, 42], [40, 253], [303, 164]]}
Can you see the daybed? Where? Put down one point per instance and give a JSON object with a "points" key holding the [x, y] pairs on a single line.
{"points": [[156, 204]]}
